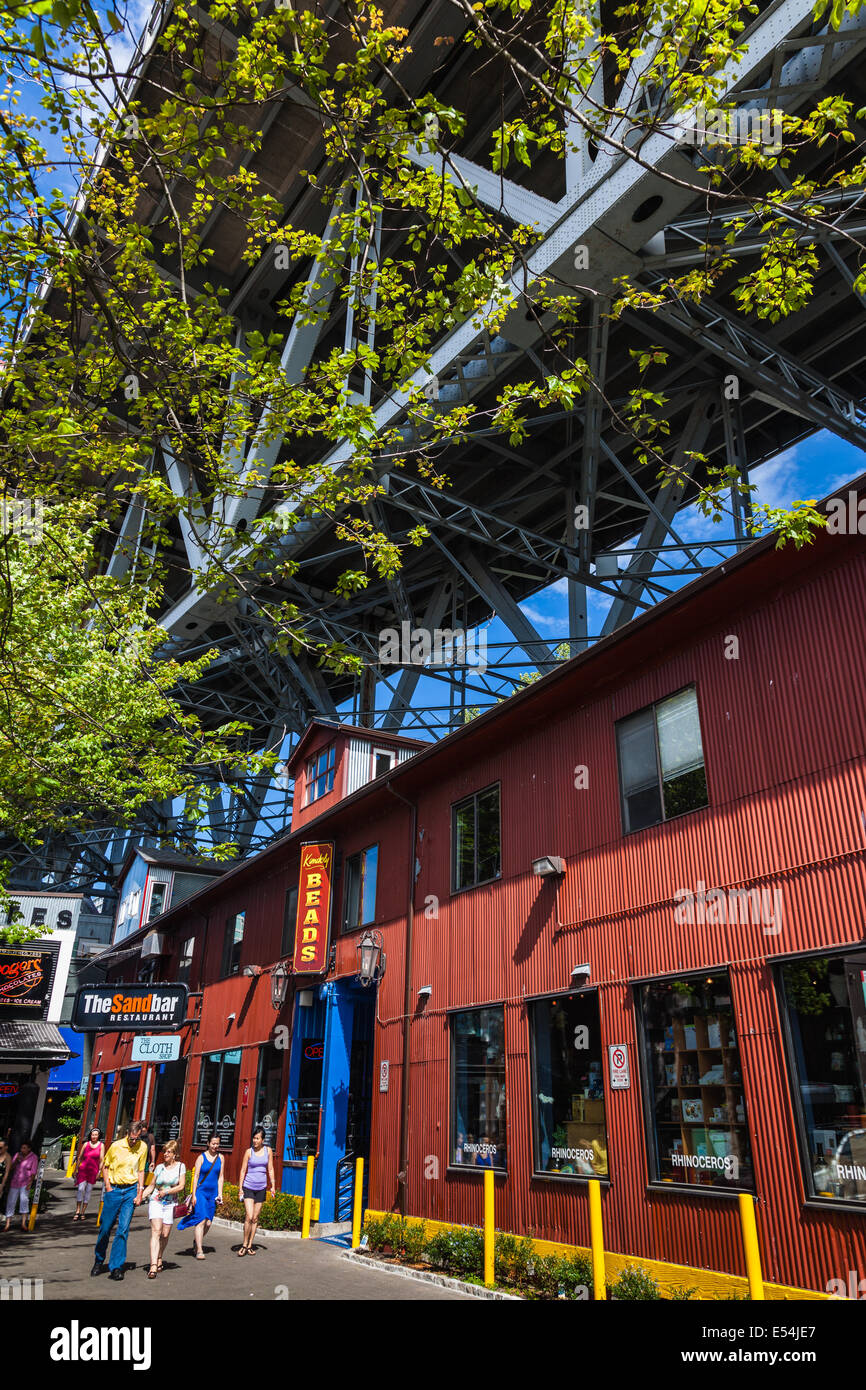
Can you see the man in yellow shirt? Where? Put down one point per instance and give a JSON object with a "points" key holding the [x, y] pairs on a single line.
{"points": [[123, 1182]]}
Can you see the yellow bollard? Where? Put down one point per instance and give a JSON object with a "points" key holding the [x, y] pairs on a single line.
{"points": [[308, 1197], [37, 1192], [596, 1240], [356, 1212], [489, 1239], [751, 1247], [70, 1167]]}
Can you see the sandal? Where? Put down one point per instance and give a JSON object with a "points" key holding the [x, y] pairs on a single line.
{"points": [[159, 1268], [200, 1257], [151, 1273], [242, 1251], [251, 1250]]}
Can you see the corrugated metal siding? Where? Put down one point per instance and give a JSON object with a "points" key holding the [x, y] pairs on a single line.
{"points": [[784, 730], [784, 754], [358, 771]]}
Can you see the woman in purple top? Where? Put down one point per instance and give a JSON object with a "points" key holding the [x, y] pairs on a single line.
{"points": [[24, 1166], [257, 1177]]}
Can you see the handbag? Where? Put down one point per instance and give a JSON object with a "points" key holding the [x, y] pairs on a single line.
{"points": [[181, 1209]]}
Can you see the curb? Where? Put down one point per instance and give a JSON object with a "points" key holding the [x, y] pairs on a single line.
{"points": [[444, 1281], [261, 1232]]}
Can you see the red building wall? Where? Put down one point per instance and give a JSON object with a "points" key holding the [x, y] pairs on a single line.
{"points": [[783, 737]]}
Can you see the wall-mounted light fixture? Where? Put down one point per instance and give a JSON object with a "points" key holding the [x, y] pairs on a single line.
{"points": [[371, 958], [424, 993], [548, 866], [231, 1018], [252, 970], [580, 975], [305, 998], [279, 984]]}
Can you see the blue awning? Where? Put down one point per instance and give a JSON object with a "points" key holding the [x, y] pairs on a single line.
{"points": [[67, 1077]]}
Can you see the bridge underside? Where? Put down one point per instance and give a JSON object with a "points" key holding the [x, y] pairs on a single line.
{"points": [[738, 391]]}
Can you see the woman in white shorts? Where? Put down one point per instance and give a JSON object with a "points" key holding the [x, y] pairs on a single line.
{"points": [[169, 1179]]}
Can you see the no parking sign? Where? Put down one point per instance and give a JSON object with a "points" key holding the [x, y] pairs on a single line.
{"points": [[618, 1055]]}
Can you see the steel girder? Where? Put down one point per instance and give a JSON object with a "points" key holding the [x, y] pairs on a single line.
{"points": [[498, 536]]}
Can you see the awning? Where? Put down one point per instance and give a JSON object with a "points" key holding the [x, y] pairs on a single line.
{"points": [[39, 1043]]}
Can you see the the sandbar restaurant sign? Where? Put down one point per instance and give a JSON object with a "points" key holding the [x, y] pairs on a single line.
{"points": [[125, 1008]]}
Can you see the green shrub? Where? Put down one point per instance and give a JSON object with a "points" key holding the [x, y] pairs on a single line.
{"points": [[459, 1251], [634, 1285], [279, 1213], [681, 1295], [69, 1117], [414, 1242]]}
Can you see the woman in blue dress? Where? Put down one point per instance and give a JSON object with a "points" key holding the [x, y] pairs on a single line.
{"points": [[207, 1190]]}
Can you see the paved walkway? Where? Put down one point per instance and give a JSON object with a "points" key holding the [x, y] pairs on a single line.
{"points": [[60, 1253]]}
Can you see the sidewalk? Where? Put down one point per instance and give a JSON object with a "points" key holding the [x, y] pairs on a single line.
{"points": [[60, 1253]]}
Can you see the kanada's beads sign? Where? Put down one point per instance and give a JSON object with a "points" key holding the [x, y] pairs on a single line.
{"points": [[313, 927]]}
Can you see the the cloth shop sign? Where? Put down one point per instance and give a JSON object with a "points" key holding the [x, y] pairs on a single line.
{"points": [[25, 980], [313, 923], [128, 1008]]}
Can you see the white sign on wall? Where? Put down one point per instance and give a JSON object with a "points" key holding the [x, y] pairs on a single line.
{"points": [[619, 1077], [148, 1047], [383, 1076]]}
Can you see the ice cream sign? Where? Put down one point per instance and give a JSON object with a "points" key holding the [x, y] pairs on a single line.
{"points": [[313, 924]]}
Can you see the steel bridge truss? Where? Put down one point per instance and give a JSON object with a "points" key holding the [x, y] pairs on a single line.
{"points": [[506, 528]]}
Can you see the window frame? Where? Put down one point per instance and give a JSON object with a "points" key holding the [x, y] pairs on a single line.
{"points": [[654, 1183], [653, 705], [185, 979], [164, 885], [329, 772], [452, 1015], [455, 807], [290, 919], [229, 945], [810, 1197], [260, 1061], [382, 753], [205, 1058], [541, 1173], [361, 855]]}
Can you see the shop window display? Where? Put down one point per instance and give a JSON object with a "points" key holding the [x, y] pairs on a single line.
{"points": [[825, 1003], [569, 1134], [696, 1104]]}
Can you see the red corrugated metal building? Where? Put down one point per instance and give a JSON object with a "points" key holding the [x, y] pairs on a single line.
{"points": [[678, 815]]}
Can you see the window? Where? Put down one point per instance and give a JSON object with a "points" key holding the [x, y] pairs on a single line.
{"points": [[661, 762], [233, 943], [383, 760], [218, 1098], [475, 839], [158, 892], [569, 1132], [268, 1086], [825, 1007], [105, 1102], [359, 893], [320, 773], [168, 1101], [289, 920], [478, 1088], [129, 1080], [696, 1109], [184, 960]]}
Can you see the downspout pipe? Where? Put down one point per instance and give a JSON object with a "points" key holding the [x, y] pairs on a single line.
{"points": [[403, 1174]]}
